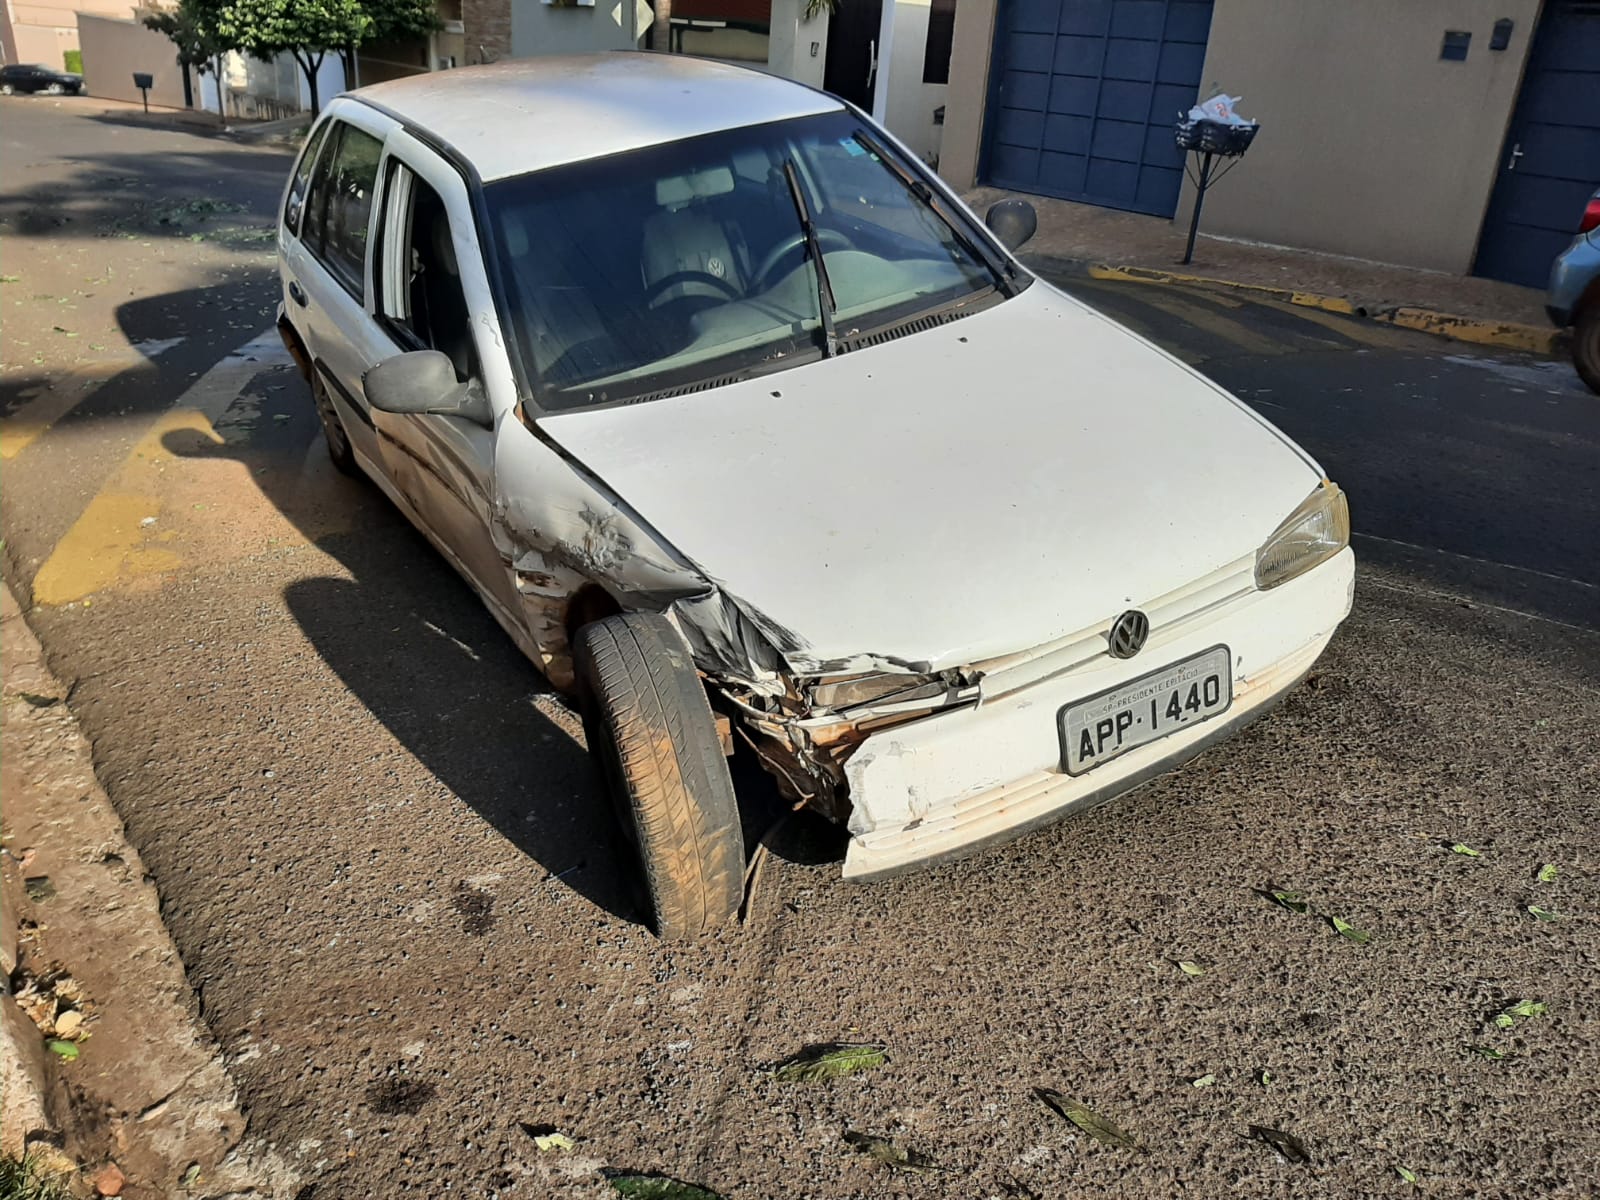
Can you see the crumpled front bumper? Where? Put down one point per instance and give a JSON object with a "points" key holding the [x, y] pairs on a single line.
{"points": [[950, 785]]}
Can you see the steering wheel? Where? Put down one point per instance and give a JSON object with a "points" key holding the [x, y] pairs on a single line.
{"points": [[827, 239], [653, 292]]}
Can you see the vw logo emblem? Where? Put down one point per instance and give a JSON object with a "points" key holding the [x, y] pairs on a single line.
{"points": [[1128, 634]]}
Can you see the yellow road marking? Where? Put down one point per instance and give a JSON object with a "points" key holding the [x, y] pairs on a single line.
{"points": [[113, 538], [1214, 323], [1357, 329], [64, 393]]}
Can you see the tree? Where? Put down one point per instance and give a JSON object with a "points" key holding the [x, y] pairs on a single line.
{"points": [[191, 27], [305, 29], [391, 21]]}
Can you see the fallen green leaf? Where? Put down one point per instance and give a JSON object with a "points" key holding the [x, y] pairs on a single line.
{"points": [[67, 1050], [657, 1187], [1085, 1118], [1286, 1144], [191, 1176], [1405, 1173], [1203, 1081], [1359, 936], [1523, 1009], [1548, 873], [895, 1157], [10, 278], [1492, 1053], [1463, 848], [1293, 901], [1542, 914], [828, 1061], [39, 888], [1191, 968], [1265, 1078], [553, 1141]]}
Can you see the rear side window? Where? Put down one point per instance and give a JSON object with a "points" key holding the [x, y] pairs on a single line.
{"points": [[296, 202], [339, 204]]}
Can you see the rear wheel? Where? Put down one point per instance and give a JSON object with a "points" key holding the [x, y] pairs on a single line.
{"points": [[6, 89], [650, 727], [333, 428], [1586, 345], [55, 89]]}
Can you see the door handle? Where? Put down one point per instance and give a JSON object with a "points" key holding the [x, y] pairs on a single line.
{"points": [[872, 61], [1516, 153], [297, 293]]}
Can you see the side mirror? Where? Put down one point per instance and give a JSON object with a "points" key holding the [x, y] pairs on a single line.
{"points": [[1012, 221], [424, 382]]}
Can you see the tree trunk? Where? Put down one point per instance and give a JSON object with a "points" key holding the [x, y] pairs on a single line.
{"points": [[310, 66], [661, 28], [352, 72]]}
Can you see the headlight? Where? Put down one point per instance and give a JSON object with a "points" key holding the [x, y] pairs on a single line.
{"points": [[850, 691], [1314, 533]]}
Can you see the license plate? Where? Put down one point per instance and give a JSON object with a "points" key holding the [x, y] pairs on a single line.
{"points": [[1096, 730]]}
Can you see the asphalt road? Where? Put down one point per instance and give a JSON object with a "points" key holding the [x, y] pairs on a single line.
{"points": [[381, 853]]}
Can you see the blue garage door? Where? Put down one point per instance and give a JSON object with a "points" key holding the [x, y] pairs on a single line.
{"points": [[1551, 162], [1084, 96]]}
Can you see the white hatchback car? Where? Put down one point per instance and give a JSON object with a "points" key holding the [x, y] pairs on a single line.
{"points": [[741, 423]]}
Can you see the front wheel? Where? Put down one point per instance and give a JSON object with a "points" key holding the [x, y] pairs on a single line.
{"points": [[6, 89], [1586, 345], [55, 89], [650, 727]]}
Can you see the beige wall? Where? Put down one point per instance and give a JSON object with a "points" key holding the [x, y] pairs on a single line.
{"points": [[967, 93], [45, 29], [909, 104], [114, 50], [1370, 144]]}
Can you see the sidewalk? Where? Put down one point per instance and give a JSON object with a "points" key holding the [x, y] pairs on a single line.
{"points": [[1113, 244], [109, 1075]]}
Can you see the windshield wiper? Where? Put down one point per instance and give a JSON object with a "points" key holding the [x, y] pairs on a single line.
{"points": [[825, 301], [1004, 273]]}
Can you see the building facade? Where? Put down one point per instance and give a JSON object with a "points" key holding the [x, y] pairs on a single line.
{"points": [[1458, 135], [42, 31]]}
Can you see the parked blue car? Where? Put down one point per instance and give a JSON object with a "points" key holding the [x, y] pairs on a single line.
{"points": [[1574, 297]]}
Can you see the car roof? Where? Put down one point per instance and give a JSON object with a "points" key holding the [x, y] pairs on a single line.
{"points": [[531, 113]]}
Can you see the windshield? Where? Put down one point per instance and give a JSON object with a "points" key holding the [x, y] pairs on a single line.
{"points": [[686, 264]]}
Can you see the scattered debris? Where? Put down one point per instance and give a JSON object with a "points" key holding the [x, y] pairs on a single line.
{"points": [[895, 1157], [1204, 1081], [1359, 936], [69, 1024], [399, 1097], [38, 701], [1463, 848], [39, 888], [829, 1060], [67, 1050], [1523, 1009], [1542, 914], [1286, 1144], [1405, 1173], [656, 1187], [191, 1175], [1548, 873], [1264, 1077], [1492, 1053], [1295, 902], [546, 1137], [1085, 1118], [1192, 969], [110, 1181]]}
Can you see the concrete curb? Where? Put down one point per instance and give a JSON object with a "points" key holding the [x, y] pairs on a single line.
{"points": [[150, 1071], [1510, 335]]}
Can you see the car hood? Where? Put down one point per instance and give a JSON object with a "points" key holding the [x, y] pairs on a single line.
{"points": [[978, 488]]}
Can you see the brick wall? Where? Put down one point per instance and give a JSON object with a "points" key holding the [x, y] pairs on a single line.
{"points": [[488, 30]]}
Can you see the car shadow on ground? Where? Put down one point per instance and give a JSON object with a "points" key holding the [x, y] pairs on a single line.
{"points": [[414, 644]]}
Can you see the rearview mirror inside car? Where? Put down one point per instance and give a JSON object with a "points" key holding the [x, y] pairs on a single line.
{"points": [[1012, 221], [424, 382]]}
